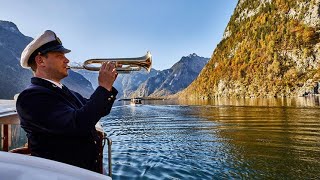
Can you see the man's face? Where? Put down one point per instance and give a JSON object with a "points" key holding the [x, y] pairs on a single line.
{"points": [[56, 65]]}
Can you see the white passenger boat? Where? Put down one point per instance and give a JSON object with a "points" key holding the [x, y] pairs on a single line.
{"points": [[135, 101]]}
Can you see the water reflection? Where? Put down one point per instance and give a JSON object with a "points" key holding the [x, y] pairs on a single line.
{"points": [[217, 139], [268, 142], [310, 101], [223, 138]]}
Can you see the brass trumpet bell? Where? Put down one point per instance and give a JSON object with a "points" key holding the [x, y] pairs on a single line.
{"points": [[128, 64]]}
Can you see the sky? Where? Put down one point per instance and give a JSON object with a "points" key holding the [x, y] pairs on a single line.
{"points": [[169, 29]]}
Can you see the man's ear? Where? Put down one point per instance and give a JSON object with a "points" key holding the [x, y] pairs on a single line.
{"points": [[39, 60]]}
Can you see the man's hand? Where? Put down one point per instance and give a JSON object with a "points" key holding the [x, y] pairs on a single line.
{"points": [[107, 75]]}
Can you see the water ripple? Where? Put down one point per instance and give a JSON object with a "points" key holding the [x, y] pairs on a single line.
{"points": [[214, 142]]}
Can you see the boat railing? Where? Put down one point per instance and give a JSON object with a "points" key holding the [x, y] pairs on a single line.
{"points": [[9, 117]]}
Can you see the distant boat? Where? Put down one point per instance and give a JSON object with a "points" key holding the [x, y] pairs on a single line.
{"points": [[135, 101]]}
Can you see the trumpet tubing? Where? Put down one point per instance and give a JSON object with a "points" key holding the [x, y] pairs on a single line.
{"points": [[128, 64]]}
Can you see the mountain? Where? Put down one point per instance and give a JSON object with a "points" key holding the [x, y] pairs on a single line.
{"points": [[91, 76], [156, 83], [126, 84], [175, 79], [269, 49], [78, 83], [13, 77]]}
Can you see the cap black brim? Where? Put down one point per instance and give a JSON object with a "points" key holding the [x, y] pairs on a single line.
{"points": [[58, 48]]}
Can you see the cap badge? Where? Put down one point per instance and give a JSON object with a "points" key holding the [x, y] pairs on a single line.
{"points": [[58, 40]]}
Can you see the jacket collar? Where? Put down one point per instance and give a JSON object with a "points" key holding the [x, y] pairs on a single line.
{"points": [[47, 84], [53, 82], [44, 83]]}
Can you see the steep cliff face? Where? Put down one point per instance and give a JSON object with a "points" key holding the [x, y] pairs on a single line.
{"points": [[127, 84], [78, 83], [12, 76], [269, 48], [175, 79], [156, 83]]}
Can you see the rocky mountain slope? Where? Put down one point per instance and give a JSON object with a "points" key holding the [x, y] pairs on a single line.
{"points": [[269, 48], [155, 83], [13, 77], [125, 83], [173, 80]]}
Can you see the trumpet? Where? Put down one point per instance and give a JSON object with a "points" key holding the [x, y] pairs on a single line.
{"points": [[128, 64]]}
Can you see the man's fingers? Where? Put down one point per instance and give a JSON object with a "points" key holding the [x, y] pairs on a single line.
{"points": [[103, 66], [110, 66]]}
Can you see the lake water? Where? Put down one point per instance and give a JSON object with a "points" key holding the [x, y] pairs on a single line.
{"points": [[219, 139]]}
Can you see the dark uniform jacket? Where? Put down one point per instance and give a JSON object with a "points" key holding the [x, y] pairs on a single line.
{"points": [[60, 123]]}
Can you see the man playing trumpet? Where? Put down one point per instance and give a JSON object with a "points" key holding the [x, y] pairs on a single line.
{"points": [[60, 123]]}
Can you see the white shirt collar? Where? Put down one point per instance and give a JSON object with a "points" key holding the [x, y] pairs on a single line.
{"points": [[55, 83]]}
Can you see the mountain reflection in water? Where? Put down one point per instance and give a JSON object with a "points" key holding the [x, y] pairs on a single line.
{"points": [[218, 139], [243, 138]]}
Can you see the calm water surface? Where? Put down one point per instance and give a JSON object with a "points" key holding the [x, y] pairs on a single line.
{"points": [[221, 139]]}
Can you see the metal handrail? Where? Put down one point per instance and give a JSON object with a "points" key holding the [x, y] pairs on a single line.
{"points": [[9, 116], [106, 138]]}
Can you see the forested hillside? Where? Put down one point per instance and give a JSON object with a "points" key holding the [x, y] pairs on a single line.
{"points": [[269, 48]]}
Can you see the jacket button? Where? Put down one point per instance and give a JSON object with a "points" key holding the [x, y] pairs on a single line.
{"points": [[95, 142], [111, 96], [109, 99]]}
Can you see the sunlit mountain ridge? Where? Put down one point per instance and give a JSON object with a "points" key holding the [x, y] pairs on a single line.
{"points": [[269, 49]]}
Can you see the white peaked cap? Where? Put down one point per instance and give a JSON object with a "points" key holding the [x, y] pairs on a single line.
{"points": [[46, 42]]}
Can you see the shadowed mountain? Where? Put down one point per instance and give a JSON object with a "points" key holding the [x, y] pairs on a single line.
{"points": [[173, 80], [155, 83], [13, 77]]}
